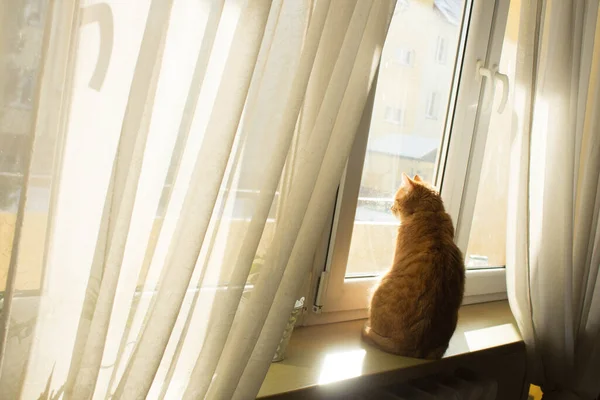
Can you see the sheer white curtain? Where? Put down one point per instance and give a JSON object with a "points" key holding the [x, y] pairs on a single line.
{"points": [[190, 150], [553, 254]]}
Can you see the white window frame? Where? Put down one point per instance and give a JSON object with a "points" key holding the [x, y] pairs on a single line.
{"points": [[335, 298]]}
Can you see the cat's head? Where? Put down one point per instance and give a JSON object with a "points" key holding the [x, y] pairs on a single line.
{"points": [[416, 195]]}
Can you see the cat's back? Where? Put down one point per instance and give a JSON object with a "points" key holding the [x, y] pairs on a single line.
{"points": [[419, 298], [426, 252]]}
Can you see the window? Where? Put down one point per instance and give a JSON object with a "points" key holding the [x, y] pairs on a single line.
{"points": [[431, 107], [445, 143], [19, 88], [441, 50], [404, 57], [22, 32], [33, 12], [401, 5], [395, 115]]}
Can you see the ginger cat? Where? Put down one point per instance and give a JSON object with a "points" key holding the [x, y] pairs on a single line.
{"points": [[414, 309]]}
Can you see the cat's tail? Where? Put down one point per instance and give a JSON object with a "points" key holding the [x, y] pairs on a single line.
{"points": [[384, 343], [395, 346]]}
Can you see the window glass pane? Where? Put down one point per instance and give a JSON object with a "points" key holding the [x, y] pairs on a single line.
{"points": [[487, 242], [407, 123], [22, 32]]}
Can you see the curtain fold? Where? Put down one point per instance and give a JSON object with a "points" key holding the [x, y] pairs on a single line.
{"points": [[120, 199], [174, 250], [199, 202], [552, 248]]}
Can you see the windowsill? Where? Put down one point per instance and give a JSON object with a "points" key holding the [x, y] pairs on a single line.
{"points": [[334, 352]]}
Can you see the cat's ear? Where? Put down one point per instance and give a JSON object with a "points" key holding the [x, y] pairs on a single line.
{"points": [[417, 178], [406, 181]]}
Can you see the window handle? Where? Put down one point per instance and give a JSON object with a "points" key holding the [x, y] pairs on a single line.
{"points": [[100, 13], [503, 79], [489, 82]]}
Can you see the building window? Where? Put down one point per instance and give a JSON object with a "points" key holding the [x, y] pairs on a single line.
{"points": [[33, 12], [19, 89], [405, 57], [431, 106], [441, 50], [394, 115]]}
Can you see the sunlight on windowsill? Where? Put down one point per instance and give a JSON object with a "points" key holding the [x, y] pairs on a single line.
{"points": [[342, 365], [323, 354]]}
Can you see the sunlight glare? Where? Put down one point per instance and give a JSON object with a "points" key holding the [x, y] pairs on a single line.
{"points": [[480, 339], [342, 365]]}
